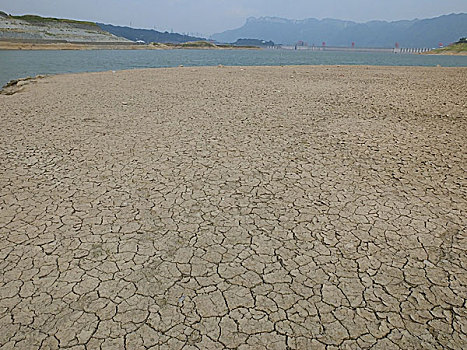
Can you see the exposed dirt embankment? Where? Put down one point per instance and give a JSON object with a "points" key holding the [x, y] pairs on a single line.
{"points": [[63, 45], [52, 29]]}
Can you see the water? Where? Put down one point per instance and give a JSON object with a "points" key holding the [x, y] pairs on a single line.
{"points": [[18, 64]]}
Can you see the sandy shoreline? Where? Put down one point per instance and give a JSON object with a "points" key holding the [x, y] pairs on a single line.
{"points": [[29, 46], [6, 45], [444, 53], [241, 207]]}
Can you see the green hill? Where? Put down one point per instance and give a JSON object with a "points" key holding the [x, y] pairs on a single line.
{"points": [[459, 47]]}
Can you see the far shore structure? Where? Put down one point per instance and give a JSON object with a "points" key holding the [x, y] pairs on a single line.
{"points": [[297, 207]]}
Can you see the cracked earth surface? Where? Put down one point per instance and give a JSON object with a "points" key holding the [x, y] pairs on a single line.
{"points": [[242, 208]]}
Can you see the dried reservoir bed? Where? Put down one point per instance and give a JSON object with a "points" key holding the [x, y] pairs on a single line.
{"points": [[235, 207]]}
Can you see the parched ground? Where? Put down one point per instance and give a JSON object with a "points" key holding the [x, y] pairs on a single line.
{"points": [[242, 208]]}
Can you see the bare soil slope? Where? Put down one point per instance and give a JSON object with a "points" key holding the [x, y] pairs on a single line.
{"points": [[35, 28]]}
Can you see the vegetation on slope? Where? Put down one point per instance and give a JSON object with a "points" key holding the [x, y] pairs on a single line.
{"points": [[458, 47], [253, 42], [454, 48], [147, 35], [34, 19], [198, 44]]}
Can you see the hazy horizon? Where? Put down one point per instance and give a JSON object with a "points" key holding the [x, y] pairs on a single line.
{"points": [[206, 17]]}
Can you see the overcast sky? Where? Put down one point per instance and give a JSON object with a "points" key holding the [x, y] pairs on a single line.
{"points": [[212, 16]]}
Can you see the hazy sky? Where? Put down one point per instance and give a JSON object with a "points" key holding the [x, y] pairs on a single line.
{"points": [[211, 16]]}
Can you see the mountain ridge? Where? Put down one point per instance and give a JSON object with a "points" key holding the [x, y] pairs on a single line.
{"points": [[426, 32], [147, 35]]}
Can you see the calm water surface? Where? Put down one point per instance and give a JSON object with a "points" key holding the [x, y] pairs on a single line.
{"points": [[18, 64]]}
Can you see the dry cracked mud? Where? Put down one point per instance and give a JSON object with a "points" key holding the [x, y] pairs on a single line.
{"points": [[235, 208]]}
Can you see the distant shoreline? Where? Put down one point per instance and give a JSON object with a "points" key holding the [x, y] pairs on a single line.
{"points": [[46, 46], [445, 53], [19, 45]]}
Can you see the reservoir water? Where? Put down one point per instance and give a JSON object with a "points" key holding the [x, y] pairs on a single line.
{"points": [[18, 64]]}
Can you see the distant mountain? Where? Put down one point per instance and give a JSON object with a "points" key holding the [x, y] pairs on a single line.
{"points": [[147, 35], [414, 33]]}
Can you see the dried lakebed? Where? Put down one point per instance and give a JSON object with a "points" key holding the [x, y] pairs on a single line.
{"points": [[250, 208]]}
